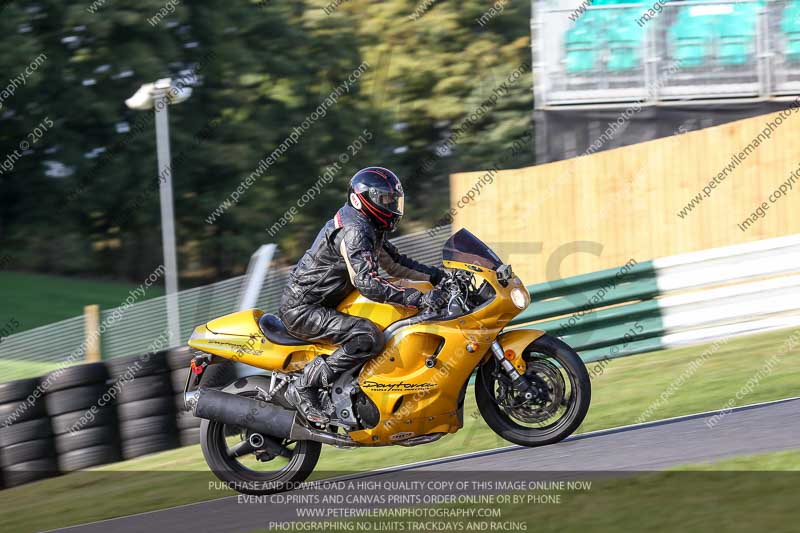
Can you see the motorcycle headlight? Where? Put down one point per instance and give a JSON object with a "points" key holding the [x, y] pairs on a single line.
{"points": [[519, 297]]}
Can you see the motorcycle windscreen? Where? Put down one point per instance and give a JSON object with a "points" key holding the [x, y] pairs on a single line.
{"points": [[464, 247]]}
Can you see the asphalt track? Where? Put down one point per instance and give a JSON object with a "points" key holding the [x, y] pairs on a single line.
{"points": [[759, 428]]}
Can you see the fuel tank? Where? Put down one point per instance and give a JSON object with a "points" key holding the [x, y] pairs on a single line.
{"points": [[383, 315]]}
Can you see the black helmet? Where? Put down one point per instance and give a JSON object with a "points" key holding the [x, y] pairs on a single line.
{"points": [[377, 193]]}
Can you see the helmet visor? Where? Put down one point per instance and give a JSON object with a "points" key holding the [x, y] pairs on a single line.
{"points": [[389, 201]]}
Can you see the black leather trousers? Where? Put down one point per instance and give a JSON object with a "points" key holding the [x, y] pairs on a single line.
{"points": [[358, 338]]}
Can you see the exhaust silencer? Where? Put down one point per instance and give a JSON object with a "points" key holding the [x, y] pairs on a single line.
{"points": [[233, 409], [259, 416]]}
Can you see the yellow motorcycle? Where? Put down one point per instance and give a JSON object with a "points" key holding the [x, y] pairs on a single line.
{"points": [[531, 389]]}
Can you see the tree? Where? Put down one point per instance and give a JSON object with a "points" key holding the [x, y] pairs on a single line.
{"points": [[85, 199]]}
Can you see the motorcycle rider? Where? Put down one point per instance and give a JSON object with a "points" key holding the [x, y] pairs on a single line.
{"points": [[346, 254]]}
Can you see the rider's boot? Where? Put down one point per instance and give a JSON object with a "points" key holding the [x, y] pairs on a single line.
{"points": [[316, 374]]}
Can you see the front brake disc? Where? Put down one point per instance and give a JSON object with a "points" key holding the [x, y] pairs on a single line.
{"points": [[547, 376]]}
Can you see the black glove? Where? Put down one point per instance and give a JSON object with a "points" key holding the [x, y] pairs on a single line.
{"points": [[434, 299], [437, 276]]}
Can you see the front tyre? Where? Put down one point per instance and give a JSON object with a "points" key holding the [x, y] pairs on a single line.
{"points": [[555, 369], [277, 467]]}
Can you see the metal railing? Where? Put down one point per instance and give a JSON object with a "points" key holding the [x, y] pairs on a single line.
{"points": [[689, 50], [134, 329]]}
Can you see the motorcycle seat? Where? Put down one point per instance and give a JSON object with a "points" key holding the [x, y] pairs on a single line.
{"points": [[275, 331]]}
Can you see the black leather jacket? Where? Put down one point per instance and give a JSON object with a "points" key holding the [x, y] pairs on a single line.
{"points": [[346, 254]]}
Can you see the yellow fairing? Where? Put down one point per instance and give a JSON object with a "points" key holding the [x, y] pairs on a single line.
{"points": [[238, 337], [416, 400], [515, 342]]}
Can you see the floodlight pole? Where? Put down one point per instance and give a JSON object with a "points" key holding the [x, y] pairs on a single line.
{"points": [[161, 106]]}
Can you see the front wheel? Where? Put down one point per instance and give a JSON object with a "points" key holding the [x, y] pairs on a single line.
{"points": [[276, 465], [559, 373]]}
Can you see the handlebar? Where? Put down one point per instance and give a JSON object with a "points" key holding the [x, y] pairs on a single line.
{"points": [[456, 284]]}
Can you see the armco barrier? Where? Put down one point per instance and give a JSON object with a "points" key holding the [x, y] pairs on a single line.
{"points": [[672, 301]]}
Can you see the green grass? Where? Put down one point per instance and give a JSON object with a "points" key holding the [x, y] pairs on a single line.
{"points": [[785, 461], [24, 369], [35, 300], [625, 389], [741, 494]]}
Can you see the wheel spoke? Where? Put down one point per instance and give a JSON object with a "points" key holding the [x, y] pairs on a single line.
{"points": [[276, 448], [243, 448]]}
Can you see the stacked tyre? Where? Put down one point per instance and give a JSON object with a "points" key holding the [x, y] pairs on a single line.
{"points": [[27, 452], [80, 403], [217, 376], [145, 404]]}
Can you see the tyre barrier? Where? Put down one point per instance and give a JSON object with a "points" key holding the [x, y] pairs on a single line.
{"points": [[27, 450], [93, 414], [81, 405], [145, 406]]}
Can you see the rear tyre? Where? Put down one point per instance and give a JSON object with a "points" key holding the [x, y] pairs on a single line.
{"points": [[560, 372], [256, 474]]}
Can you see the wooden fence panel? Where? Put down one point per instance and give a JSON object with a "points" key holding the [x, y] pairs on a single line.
{"points": [[628, 199]]}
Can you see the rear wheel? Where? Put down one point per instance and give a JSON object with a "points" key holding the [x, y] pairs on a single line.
{"points": [[565, 393], [256, 464]]}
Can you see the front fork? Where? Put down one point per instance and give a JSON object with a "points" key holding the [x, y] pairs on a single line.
{"points": [[521, 383]]}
